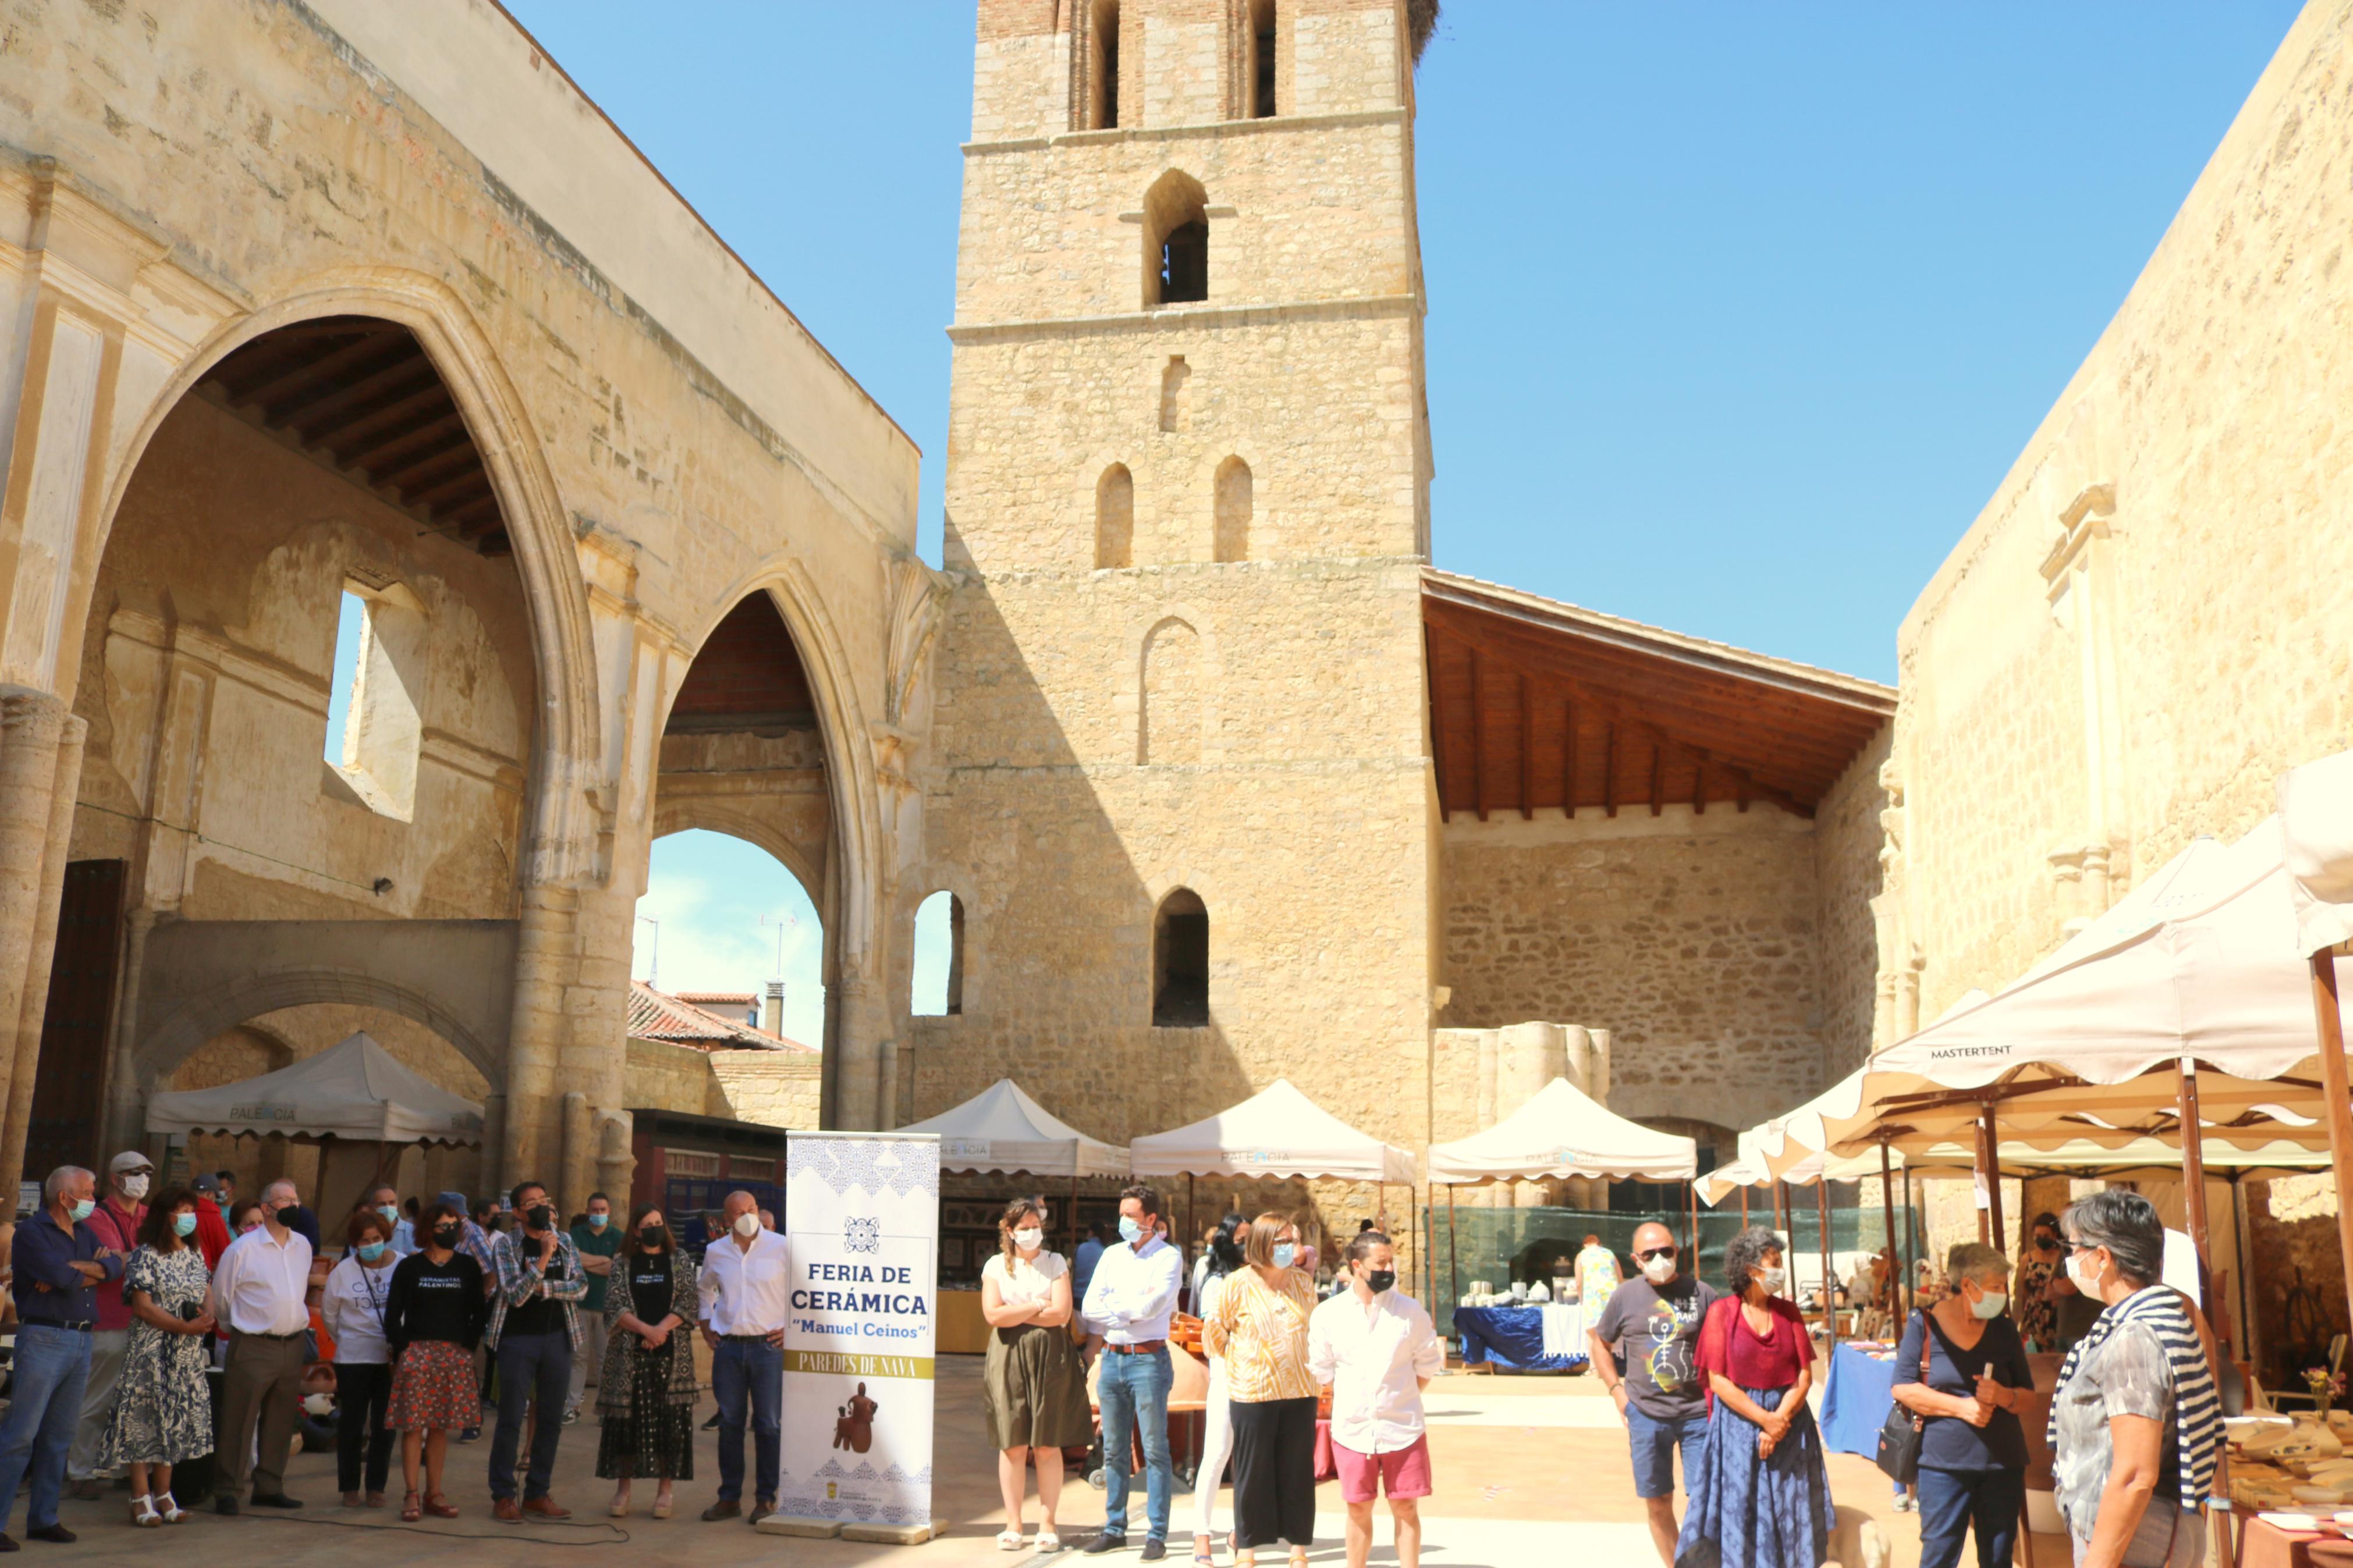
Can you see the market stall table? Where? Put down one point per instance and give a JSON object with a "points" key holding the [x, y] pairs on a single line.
{"points": [[2263, 1544], [1856, 1398], [1513, 1338]]}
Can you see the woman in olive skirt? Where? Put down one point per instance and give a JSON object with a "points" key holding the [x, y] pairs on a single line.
{"points": [[1033, 1388], [646, 1397]]}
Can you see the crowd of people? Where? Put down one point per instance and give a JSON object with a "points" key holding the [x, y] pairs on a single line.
{"points": [[1719, 1379], [1272, 1345], [155, 1330]]}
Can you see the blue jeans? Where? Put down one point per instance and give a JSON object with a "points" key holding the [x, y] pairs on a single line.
{"points": [[749, 1371], [1133, 1392], [1952, 1502], [532, 1369], [52, 1367], [1653, 1443]]}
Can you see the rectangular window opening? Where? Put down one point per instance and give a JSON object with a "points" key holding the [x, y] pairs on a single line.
{"points": [[351, 629]]}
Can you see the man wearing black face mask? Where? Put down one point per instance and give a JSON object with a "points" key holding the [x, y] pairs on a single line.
{"points": [[534, 1333], [1379, 1350]]}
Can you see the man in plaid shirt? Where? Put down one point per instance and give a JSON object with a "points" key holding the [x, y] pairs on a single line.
{"points": [[534, 1332]]}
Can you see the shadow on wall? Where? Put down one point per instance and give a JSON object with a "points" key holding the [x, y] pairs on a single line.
{"points": [[1095, 991]]}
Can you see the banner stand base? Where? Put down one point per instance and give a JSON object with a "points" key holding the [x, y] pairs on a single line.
{"points": [[887, 1534], [814, 1528]]}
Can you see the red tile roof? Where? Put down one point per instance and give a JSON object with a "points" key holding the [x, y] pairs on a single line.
{"points": [[659, 1016]]}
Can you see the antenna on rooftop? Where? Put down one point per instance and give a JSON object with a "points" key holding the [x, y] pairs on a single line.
{"points": [[783, 924], [653, 967]]}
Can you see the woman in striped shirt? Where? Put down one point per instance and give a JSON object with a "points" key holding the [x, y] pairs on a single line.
{"points": [[1260, 1327]]}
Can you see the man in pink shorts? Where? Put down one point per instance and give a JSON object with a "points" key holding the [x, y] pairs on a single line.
{"points": [[1379, 1350]]}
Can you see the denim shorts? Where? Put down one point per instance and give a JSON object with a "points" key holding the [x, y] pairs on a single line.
{"points": [[1655, 1442]]}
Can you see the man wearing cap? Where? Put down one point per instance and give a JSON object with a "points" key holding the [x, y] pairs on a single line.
{"points": [[212, 1225], [116, 1223]]}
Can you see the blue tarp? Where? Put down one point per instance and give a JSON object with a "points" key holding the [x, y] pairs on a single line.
{"points": [[1856, 1401], [1508, 1337]]}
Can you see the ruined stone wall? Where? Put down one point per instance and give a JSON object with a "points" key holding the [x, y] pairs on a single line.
{"points": [[774, 1089], [1694, 938], [213, 632], [1847, 876], [2149, 619]]}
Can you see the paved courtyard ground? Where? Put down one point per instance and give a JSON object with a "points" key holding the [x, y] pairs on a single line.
{"points": [[1526, 1468]]}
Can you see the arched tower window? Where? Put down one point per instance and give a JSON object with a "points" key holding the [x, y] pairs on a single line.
{"points": [[1103, 65], [1115, 518], [1176, 239], [1259, 79], [939, 957], [1180, 962], [1233, 511]]}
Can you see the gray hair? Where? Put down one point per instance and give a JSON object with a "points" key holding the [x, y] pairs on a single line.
{"points": [[1744, 1255], [1976, 1260], [63, 1177], [283, 1184], [2127, 1225]]}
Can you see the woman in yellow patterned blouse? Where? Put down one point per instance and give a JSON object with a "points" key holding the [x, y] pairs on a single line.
{"points": [[1260, 1327]]}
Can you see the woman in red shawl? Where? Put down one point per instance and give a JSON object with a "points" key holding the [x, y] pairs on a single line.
{"points": [[1760, 1497]]}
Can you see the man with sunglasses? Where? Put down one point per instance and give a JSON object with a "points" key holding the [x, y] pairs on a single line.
{"points": [[1653, 1319]]}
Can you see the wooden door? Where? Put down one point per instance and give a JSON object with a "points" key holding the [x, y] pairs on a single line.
{"points": [[69, 1088]]}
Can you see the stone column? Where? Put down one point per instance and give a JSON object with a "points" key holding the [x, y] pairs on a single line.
{"points": [[579, 1162], [543, 949], [32, 733], [616, 1161], [858, 1089], [33, 997]]}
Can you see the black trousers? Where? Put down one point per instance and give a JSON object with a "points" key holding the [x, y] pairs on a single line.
{"points": [[362, 1391], [1274, 1472]]}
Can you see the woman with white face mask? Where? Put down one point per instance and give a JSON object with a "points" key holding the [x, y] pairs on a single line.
{"points": [[1760, 1497], [1032, 1387], [1972, 1447], [2135, 1422]]}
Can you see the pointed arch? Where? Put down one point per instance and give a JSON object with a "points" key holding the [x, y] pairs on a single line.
{"points": [[1175, 240], [563, 832]]}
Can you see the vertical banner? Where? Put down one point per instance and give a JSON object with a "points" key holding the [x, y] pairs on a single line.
{"points": [[862, 1221]]}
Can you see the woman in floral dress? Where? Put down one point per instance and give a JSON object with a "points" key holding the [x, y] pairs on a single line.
{"points": [[645, 1394], [2030, 1298], [165, 1412]]}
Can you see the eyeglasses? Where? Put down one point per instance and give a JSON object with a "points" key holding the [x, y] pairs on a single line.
{"points": [[1665, 1252]]}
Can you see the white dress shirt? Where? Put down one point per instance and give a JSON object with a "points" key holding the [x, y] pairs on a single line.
{"points": [[1134, 1291], [352, 1306], [1374, 1357], [262, 1284], [741, 1292]]}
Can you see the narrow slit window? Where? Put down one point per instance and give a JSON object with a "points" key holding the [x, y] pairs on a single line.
{"points": [[939, 957], [1102, 74], [1185, 264], [351, 627], [1263, 59]]}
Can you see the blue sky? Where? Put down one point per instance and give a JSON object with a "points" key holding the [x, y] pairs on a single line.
{"points": [[1738, 314]]}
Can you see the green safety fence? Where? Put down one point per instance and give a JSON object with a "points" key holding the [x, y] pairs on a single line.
{"points": [[1500, 1244]]}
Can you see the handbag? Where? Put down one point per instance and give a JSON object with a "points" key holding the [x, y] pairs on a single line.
{"points": [[1899, 1437]]}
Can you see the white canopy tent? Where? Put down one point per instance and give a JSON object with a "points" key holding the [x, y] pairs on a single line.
{"points": [[353, 1090], [354, 1099], [1002, 1129], [1277, 1132], [1561, 1132]]}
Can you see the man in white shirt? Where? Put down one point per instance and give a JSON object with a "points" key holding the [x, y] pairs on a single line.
{"points": [[742, 1294], [1379, 1350], [1127, 1306], [259, 1296]]}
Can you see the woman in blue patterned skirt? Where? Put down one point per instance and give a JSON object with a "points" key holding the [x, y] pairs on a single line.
{"points": [[1761, 1498]]}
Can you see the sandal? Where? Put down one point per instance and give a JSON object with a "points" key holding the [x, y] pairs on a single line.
{"points": [[439, 1506], [1009, 1539], [172, 1512], [143, 1514], [412, 1508], [1047, 1539], [620, 1509], [1204, 1555], [662, 1506]]}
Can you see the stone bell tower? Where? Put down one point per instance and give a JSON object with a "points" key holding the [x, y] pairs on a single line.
{"points": [[1179, 782]]}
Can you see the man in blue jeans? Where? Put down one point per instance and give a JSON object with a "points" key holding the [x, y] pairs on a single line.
{"points": [[1653, 1321], [742, 1294], [1127, 1306], [58, 1260], [535, 1333]]}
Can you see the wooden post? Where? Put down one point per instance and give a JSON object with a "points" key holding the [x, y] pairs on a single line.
{"points": [[1993, 1178], [1830, 1284], [1781, 1226], [2193, 1206], [1887, 1211], [2335, 1103], [1453, 1258], [1744, 1205]]}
